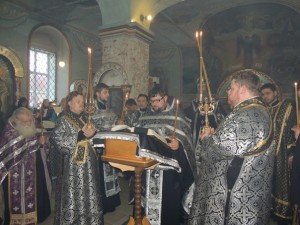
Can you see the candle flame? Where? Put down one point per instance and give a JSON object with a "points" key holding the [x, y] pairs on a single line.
{"points": [[89, 50], [200, 33]]}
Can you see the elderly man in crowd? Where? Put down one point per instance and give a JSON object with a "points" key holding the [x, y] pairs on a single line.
{"points": [[23, 170]]}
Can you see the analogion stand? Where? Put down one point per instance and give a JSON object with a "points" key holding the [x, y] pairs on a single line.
{"points": [[122, 154]]}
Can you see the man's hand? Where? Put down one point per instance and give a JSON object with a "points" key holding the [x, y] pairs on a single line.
{"points": [[88, 131], [42, 139], [120, 122], [174, 144], [296, 130], [206, 132]]}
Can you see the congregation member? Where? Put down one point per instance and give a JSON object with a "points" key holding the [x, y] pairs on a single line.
{"points": [[105, 119], [284, 118], [167, 191], [24, 173], [46, 112], [78, 192], [142, 103], [234, 185], [135, 109], [23, 102], [131, 109]]}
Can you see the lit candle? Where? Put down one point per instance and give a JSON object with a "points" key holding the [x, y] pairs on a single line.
{"points": [[199, 42], [90, 59], [176, 115], [296, 98], [197, 38]]}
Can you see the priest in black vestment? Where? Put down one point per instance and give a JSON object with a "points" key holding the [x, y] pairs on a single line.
{"points": [[166, 191]]}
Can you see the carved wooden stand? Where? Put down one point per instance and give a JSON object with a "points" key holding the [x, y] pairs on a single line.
{"points": [[122, 153]]}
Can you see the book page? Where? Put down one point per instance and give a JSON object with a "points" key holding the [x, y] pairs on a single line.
{"points": [[153, 133], [121, 127], [140, 130]]}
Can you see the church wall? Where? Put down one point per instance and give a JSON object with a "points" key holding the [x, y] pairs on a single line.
{"points": [[16, 33], [129, 48], [16, 39], [256, 36]]}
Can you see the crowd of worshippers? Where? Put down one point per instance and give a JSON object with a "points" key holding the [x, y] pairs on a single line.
{"points": [[243, 168]]}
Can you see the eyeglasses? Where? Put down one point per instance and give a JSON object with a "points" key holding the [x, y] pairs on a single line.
{"points": [[156, 100]]}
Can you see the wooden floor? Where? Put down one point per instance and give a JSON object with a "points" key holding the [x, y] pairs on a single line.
{"points": [[118, 217]]}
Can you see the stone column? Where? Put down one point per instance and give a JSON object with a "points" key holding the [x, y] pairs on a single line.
{"points": [[128, 47]]}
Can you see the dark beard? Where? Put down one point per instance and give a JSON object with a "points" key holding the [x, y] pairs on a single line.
{"points": [[157, 111], [26, 132]]}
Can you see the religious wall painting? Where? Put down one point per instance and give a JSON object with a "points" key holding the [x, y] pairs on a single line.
{"points": [[115, 101], [80, 86], [6, 86], [263, 36], [190, 72], [221, 93], [158, 76], [10, 70], [114, 76]]}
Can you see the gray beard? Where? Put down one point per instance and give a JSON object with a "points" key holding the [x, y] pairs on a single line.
{"points": [[26, 132]]}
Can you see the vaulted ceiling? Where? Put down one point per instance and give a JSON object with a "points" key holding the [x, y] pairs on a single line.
{"points": [[174, 24], [92, 15]]}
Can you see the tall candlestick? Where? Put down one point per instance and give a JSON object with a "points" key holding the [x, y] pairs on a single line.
{"points": [[89, 101], [199, 42], [176, 115], [124, 106], [201, 68], [296, 98]]}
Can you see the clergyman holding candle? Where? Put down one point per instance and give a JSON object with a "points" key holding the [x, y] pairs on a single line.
{"points": [[167, 188]]}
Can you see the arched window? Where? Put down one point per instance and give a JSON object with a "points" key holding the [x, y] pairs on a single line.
{"points": [[42, 76], [49, 54]]}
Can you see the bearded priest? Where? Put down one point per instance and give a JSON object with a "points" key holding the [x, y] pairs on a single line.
{"points": [[23, 170]]}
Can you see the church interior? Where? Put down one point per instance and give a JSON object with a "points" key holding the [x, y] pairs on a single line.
{"points": [[136, 44], [140, 42]]}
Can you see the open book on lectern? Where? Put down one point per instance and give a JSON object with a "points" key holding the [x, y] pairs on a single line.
{"points": [[149, 144], [140, 130]]}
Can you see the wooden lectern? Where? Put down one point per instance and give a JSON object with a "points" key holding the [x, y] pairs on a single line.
{"points": [[124, 152]]}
